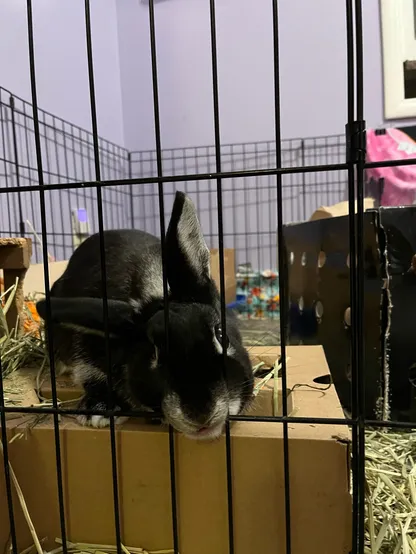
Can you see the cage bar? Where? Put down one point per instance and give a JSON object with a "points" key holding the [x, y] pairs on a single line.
{"points": [[97, 170], [160, 182], [39, 163]]}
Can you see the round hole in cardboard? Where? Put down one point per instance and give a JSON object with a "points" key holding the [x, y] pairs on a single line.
{"points": [[303, 259], [319, 310], [412, 375], [323, 379], [347, 317], [301, 304], [321, 259], [348, 373]]}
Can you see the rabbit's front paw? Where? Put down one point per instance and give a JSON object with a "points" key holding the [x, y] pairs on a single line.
{"points": [[96, 421]]}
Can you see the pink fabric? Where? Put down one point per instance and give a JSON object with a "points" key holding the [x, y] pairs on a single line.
{"points": [[400, 181]]}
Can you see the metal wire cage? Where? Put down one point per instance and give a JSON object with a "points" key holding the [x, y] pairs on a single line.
{"points": [[238, 189], [249, 216]]}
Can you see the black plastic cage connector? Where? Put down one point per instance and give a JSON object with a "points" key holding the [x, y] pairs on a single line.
{"points": [[356, 144]]}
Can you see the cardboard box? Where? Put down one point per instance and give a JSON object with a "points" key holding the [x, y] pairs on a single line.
{"points": [[319, 480], [35, 276], [342, 208], [319, 283], [35, 280], [229, 272], [15, 254]]}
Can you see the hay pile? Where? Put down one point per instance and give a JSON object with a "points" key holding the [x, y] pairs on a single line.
{"points": [[20, 350], [17, 351], [391, 492]]}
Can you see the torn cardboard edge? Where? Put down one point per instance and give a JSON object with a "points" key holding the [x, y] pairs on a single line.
{"points": [[386, 292]]}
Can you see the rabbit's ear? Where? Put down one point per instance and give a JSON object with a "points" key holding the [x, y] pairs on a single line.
{"points": [[187, 255], [87, 315]]}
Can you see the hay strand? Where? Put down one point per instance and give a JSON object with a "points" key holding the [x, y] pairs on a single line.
{"points": [[10, 294], [276, 367], [23, 505], [87, 548]]}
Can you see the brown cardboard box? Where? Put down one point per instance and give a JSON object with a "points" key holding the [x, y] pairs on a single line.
{"points": [[229, 272], [35, 276], [35, 281], [15, 256], [342, 208], [319, 480]]}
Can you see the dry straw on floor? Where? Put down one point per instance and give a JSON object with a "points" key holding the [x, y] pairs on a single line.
{"points": [[391, 492]]}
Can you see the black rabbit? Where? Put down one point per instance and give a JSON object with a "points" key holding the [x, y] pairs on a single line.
{"points": [[188, 383]]}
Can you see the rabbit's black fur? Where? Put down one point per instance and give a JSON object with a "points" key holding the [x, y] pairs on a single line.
{"points": [[189, 383]]}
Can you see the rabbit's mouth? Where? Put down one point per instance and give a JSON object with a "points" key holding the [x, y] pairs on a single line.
{"points": [[198, 427], [205, 433], [211, 432]]}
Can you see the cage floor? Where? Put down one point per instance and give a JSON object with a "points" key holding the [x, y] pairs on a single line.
{"points": [[260, 332]]}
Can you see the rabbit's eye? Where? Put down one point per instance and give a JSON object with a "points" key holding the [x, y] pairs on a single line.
{"points": [[218, 336]]}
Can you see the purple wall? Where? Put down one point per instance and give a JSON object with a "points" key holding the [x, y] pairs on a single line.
{"points": [[61, 64], [313, 102], [313, 70], [62, 82]]}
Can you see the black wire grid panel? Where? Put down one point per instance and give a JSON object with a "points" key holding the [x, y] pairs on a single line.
{"points": [[46, 160], [249, 214]]}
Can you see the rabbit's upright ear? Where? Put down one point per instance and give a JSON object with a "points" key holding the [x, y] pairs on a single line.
{"points": [[87, 315], [187, 255]]}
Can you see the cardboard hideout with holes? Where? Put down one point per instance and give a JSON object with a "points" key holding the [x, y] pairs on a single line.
{"points": [[317, 254]]}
